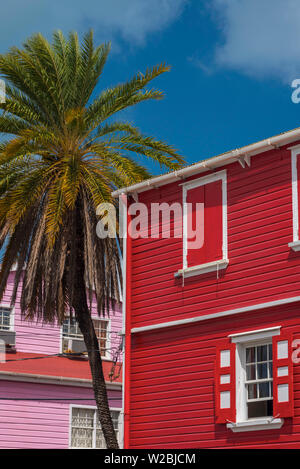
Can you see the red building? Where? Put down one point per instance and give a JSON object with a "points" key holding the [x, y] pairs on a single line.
{"points": [[212, 334]]}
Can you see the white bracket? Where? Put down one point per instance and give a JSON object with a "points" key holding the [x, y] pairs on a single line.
{"points": [[245, 160], [135, 196]]}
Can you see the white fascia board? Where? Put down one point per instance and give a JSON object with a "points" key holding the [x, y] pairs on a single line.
{"points": [[214, 162], [230, 312]]}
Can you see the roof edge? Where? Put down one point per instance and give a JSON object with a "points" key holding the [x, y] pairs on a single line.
{"points": [[50, 379], [213, 162]]}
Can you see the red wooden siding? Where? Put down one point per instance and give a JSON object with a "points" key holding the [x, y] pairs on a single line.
{"points": [[173, 384], [172, 370], [261, 265], [210, 195]]}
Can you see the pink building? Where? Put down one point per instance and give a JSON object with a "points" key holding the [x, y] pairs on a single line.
{"points": [[46, 399]]}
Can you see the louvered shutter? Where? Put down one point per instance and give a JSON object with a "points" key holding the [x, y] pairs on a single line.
{"points": [[283, 402], [225, 382]]}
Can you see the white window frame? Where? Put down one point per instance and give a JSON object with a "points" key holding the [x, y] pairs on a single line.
{"points": [[107, 355], [11, 317], [82, 406], [243, 340], [295, 244], [220, 263]]}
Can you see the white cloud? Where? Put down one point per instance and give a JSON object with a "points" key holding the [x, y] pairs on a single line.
{"points": [[260, 37], [130, 20]]}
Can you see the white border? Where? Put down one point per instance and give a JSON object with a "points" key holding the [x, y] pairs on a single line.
{"points": [[220, 175], [295, 151]]}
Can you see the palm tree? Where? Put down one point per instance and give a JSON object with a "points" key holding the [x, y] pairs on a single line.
{"points": [[63, 154]]}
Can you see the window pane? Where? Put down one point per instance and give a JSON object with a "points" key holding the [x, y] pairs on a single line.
{"points": [[252, 391], [262, 353], [100, 441], [82, 428], [83, 418], [270, 370], [270, 352], [250, 355], [101, 333], [264, 390], [260, 409], [262, 371], [82, 438], [251, 372], [4, 318], [71, 330]]}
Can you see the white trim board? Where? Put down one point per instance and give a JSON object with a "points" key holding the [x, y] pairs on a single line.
{"points": [[221, 314], [124, 200], [295, 151]]}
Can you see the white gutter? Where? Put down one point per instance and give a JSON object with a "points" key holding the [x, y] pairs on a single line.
{"points": [[214, 162], [45, 379]]}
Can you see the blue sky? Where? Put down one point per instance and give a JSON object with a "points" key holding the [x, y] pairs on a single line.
{"points": [[232, 61]]}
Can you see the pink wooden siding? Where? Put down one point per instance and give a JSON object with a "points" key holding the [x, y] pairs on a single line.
{"points": [[41, 424], [46, 338]]}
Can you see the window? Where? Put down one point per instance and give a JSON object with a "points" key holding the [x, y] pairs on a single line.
{"points": [[259, 380], [207, 252], [86, 430], [5, 318], [254, 380], [70, 331]]}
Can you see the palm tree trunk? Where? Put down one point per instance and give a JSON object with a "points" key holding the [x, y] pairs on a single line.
{"points": [[84, 319]]}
